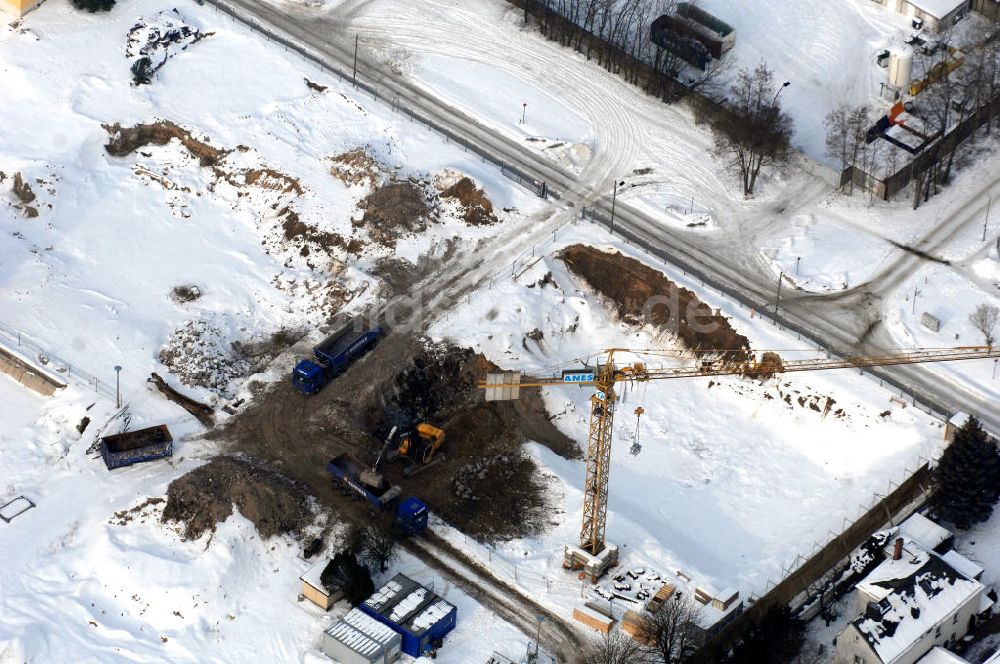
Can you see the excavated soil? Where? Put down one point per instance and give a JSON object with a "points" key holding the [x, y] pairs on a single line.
{"points": [[478, 209], [356, 167], [641, 294], [126, 140], [401, 381], [205, 496], [393, 210]]}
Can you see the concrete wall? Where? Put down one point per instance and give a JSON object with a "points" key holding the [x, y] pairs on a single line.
{"points": [[988, 8], [851, 644], [25, 374]]}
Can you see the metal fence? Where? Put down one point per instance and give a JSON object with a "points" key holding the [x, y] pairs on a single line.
{"points": [[21, 342]]}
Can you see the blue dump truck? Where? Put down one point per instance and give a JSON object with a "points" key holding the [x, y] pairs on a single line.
{"points": [[410, 515], [124, 449], [335, 353]]}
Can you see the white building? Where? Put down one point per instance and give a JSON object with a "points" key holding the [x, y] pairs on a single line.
{"points": [[937, 15], [910, 603]]}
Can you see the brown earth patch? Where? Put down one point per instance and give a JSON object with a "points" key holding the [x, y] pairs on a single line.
{"points": [[356, 166], [126, 140], [22, 189], [205, 496], [482, 483], [641, 294], [393, 210], [478, 208]]}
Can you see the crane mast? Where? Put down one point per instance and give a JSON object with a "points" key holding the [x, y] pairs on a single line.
{"points": [[595, 555]]}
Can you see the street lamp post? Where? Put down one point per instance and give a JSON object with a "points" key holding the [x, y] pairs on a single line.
{"points": [[777, 297], [524, 110], [118, 384], [989, 203], [614, 197], [783, 86]]}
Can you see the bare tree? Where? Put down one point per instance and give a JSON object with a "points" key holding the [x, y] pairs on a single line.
{"points": [[824, 589], [984, 319], [846, 131], [614, 648], [758, 133], [379, 546], [673, 633]]}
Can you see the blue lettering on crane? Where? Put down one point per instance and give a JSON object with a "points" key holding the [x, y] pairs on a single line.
{"points": [[578, 377]]}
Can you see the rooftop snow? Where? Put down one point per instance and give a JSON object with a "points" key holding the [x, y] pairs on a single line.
{"points": [[923, 531], [922, 590], [361, 633], [430, 616], [313, 574], [938, 8], [968, 568], [408, 604], [940, 656]]}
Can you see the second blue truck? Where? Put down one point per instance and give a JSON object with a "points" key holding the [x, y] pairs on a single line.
{"points": [[334, 355]]}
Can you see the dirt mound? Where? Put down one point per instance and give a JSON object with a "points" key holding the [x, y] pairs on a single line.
{"points": [[770, 364], [483, 442], [126, 140], [478, 208], [393, 210], [643, 295], [22, 189], [206, 495], [356, 167]]}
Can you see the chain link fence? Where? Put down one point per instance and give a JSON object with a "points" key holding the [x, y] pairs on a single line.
{"points": [[23, 344]]}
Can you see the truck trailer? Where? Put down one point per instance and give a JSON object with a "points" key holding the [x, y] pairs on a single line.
{"points": [[410, 515], [334, 354]]}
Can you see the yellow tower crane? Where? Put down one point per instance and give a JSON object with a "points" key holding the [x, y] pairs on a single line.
{"points": [[593, 555]]}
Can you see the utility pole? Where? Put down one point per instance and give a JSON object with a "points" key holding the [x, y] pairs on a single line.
{"points": [[118, 385], [777, 299], [916, 292], [354, 71], [614, 197], [989, 203]]}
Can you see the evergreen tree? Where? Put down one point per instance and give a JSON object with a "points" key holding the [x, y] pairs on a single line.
{"points": [[358, 584], [776, 639], [94, 6], [967, 478]]}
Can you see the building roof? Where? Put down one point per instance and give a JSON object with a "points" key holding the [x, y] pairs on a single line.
{"points": [[938, 8], [912, 595], [941, 656], [361, 633], [969, 569], [923, 531], [313, 575], [404, 602]]}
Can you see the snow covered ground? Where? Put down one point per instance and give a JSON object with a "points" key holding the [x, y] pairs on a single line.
{"points": [[949, 297], [732, 481], [91, 278], [845, 241], [93, 558]]}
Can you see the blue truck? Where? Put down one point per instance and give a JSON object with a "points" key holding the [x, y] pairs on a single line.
{"points": [[334, 354], [124, 449], [410, 515]]}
